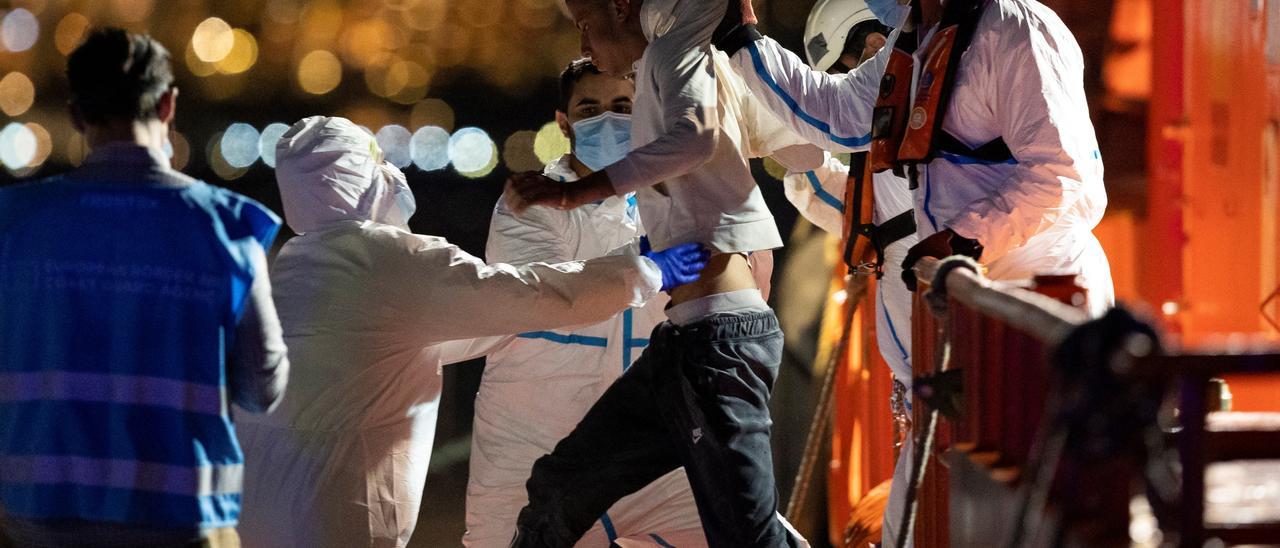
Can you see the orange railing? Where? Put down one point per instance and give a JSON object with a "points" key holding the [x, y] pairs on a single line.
{"points": [[1050, 419]]}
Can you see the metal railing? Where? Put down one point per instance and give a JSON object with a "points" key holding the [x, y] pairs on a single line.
{"points": [[1049, 417]]}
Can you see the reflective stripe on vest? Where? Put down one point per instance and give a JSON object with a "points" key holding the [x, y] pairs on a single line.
{"points": [[108, 388], [200, 481]]}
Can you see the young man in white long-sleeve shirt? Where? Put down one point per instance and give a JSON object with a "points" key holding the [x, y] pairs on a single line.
{"points": [[698, 396]]}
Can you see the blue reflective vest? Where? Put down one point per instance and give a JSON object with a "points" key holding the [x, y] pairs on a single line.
{"points": [[119, 297]]}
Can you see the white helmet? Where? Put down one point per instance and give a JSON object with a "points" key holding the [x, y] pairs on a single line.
{"points": [[828, 27]]}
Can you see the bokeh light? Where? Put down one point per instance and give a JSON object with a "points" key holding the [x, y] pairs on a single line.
{"points": [[77, 149], [267, 142], [471, 149], [518, 153], [44, 145], [70, 32], [179, 150], [18, 146], [196, 65], [219, 163], [243, 54], [370, 41], [17, 93], [132, 11], [430, 148], [550, 144], [239, 145], [319, 72], [394, 141], [774, 169], [432, 112], [486, 169], [19, 30], [212, 40]]}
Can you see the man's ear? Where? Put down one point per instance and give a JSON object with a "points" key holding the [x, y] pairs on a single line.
{"points": [[621, 9], [168, 105], [566, 128]]}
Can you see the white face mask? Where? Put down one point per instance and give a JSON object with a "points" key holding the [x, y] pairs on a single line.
{"points": [[394, 182], [601, 140], [404, 203]]}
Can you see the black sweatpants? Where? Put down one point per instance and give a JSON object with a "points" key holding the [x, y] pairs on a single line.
{"points": [[697, 397]]}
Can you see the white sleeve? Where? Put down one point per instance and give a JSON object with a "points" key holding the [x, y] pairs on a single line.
{"points": [[469, 349], [539, 235], [819, 194], [1037, 97], [463, 297], [680, 64], [829, 110]]}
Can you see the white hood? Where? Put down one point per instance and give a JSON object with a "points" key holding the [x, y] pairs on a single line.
{"points": [[331, 170]]}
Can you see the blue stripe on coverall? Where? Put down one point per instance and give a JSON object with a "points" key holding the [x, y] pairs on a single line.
{"points": [[791, 103], [822, 193]]}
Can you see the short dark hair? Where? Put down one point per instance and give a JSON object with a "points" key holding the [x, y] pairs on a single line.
{"points": [[572, 74], [118, 75]]}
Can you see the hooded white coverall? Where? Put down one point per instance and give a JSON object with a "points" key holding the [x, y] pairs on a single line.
{"points": [[1020, 80], [537, 386], [367, 308]]}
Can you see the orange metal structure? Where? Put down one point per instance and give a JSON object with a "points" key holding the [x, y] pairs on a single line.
{"points": [[1211, 244], [1205, 252]]}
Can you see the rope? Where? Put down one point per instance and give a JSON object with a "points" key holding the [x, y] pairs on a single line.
{"points": [[855, 289], [937, 295]]}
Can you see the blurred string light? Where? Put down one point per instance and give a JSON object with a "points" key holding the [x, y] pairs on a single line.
{"points": [[774, 169], [44, 145], [518, 152], [319, 72], [19, 30], [70, 32], [550, 144], [18, 146], [219, 163], [239, 145], [432, 112], [470, 150], [132, 11], [179, 150], [212, 40], [76, 149], [429, 148], [486, 169], [267, 142], [394, 140], [243, 53], [17, 94]]}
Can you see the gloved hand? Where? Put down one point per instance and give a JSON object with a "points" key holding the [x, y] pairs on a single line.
{"points": [[731, 34], [680, 265], [944, 243]]}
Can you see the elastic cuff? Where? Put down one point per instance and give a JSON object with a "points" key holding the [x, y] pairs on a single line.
{"points": [[738, 38]]}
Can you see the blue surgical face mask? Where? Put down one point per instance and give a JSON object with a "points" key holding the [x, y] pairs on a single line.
{"points": [[889, 12], [600, 141]]}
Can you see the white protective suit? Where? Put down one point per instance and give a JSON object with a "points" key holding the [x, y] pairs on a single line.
{"points": [[367, 307], [1020, 80], [819, 195], [538, 386]]}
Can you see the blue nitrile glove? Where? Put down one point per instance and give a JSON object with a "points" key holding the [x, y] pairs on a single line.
{"points": [[680, 265]]}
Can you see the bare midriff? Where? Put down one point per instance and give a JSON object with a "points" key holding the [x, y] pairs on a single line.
{"points": [[725, 272]]}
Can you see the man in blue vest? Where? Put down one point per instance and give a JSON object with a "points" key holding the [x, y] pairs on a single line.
{"points": [[137, 309]]}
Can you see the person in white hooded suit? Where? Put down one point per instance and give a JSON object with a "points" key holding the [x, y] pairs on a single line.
{"points": [[367, 308]]}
